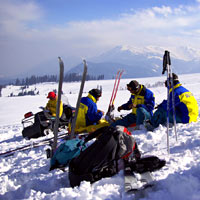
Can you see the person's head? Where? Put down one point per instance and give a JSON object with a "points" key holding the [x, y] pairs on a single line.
{"points": [[133, 86], [174, 78], [96, 93], [51, 95]]}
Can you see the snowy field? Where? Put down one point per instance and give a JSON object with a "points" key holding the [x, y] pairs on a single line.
{"points": [[25, 175]]}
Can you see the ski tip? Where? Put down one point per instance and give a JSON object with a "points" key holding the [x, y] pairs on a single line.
{"points": [[59, 59], [84, 61]]}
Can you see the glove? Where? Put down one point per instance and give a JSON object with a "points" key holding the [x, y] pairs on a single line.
{"points": [[100, 111], [119, 108]]}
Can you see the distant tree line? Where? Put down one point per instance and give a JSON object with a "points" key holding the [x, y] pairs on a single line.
{"points": [[71, 77], [157, 84], [36, 79]]}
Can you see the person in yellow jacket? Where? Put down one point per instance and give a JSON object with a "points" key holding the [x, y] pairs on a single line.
{"points": [[89, 117], [141, 102], [186, 107], [51, 105]]}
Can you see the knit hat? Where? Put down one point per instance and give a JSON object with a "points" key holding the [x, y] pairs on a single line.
{"points": [[174, 77], [51, 95], [134, 85], [95, 93]]}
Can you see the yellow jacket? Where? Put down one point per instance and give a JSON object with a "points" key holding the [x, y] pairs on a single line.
{"points": [[51, 106]]}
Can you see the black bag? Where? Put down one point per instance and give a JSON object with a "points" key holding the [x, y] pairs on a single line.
{"points": [[68, 111], [33, 131], [100, 159], [150, 164], [37, 128]]}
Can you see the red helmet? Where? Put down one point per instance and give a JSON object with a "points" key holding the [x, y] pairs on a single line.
{"points": [[51, 95]]}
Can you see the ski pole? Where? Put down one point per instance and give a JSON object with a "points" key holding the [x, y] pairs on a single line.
{"points": [[170, 82], [111, 99], [166, 63], [117, 86], [173, 103]]}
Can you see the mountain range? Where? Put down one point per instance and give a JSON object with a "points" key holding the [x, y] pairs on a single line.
{"points": [[136, 62], [143, 62]]}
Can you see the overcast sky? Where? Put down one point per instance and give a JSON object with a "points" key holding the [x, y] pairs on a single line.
{"points": [[35, 31]]}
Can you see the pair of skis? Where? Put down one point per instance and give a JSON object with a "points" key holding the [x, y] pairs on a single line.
{"points": [[40, 143], [167, 68], [58, 102], [135, 183], [110, 114]]}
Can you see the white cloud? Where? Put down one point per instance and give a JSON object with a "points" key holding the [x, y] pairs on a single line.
{"points": [[17, 17], [19, 11], [28, 36], [164, 10]]}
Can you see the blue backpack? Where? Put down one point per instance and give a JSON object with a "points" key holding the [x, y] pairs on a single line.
{"points": [[66, 152]]}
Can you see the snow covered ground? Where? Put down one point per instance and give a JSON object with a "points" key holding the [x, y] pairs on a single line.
{"points": [[25, 175]]}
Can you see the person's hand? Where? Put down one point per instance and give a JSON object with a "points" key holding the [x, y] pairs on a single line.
{"points": [[134, 106], [119, 108], [130, 106], [100, 111]]}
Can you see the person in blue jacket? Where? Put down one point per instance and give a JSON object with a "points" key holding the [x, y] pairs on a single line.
{"points": [[88, 114], [186, 107], [141, 102]]}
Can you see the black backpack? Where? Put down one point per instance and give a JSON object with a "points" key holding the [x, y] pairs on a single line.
{"points": [[36, 129], [100, 158]]}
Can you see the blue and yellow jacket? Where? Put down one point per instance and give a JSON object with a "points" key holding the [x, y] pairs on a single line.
{"points": [[144, 98], [186, 105], [87, 113]]}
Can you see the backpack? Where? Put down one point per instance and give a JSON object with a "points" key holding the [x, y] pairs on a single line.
{"points": [[65, 152], [36, 129], [100, 158]]}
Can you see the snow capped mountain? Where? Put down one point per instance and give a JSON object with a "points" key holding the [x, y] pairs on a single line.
{"points": [[181, 53], [188, 53], [185, 53], [136, 62], [142, 62]]}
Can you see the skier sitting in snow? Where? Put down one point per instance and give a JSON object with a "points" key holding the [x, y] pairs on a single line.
{"points": [[141, 102], [42, 117], [89, 117], [186, 107], [51, 105]]}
